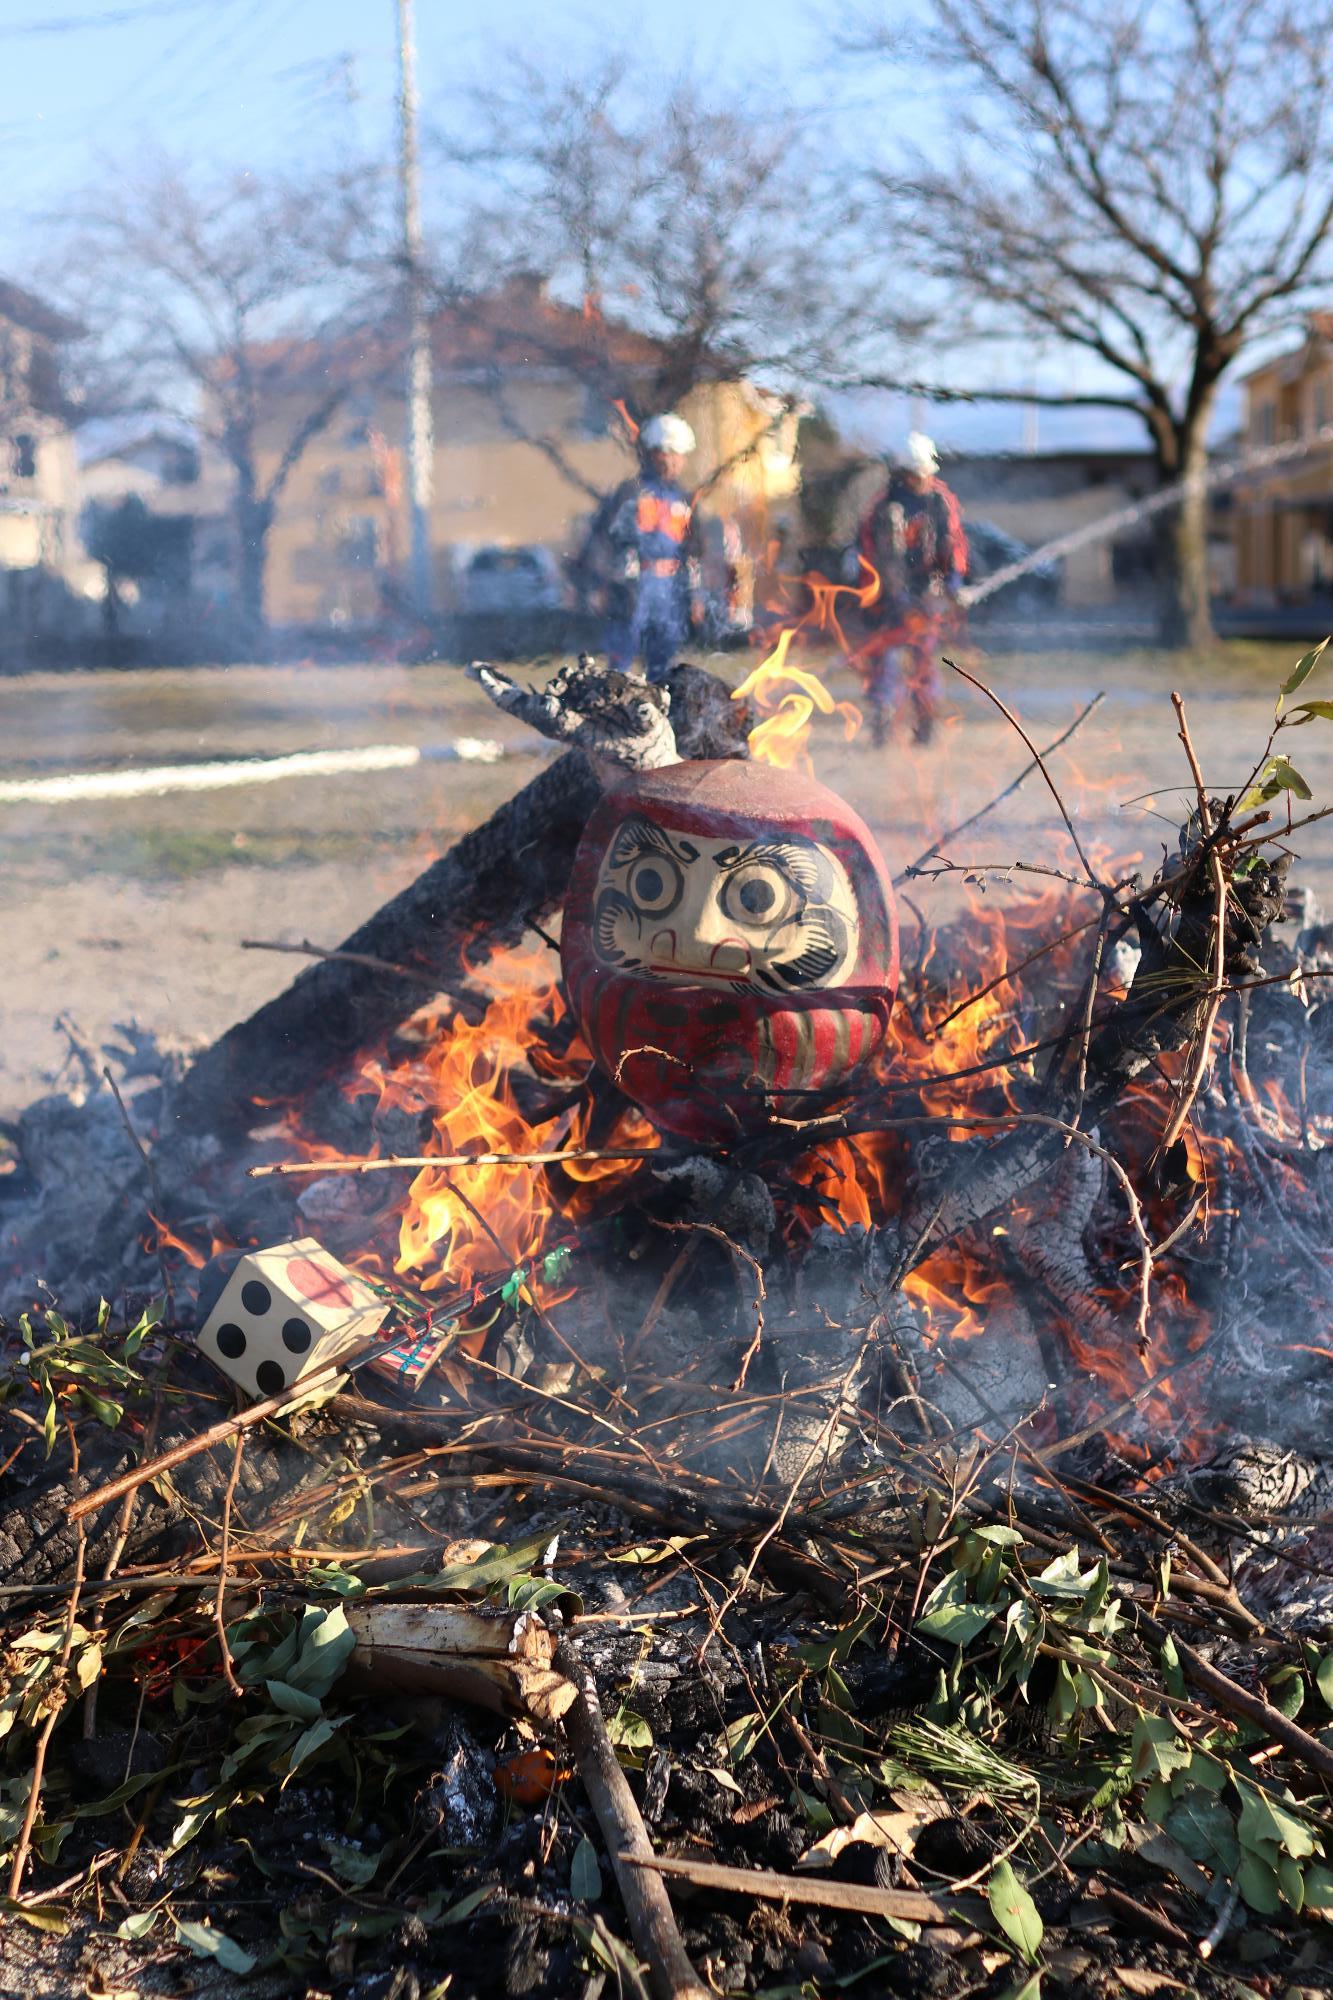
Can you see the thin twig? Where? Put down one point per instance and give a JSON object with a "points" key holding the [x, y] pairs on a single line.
{"points": [[965, 825], [166, 1461], [219, 1620], [307, 950], [1037, 758], [154, 1188], [57, 1706]]}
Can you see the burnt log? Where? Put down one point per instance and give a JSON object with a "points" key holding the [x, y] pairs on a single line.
{"points": [[478, 898]]}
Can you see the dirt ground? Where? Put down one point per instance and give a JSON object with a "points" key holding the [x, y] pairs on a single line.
{"points": [[135, 909]]}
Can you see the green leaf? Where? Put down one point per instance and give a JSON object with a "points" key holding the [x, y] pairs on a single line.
{"points": [[629, 1731], [1098, 1590], [356, 1866], [88, 1666], [1003, 1538], [1286, 1691], [325, 1645], [1014, 1911], [292, 1701], [205, 1942], [1291, 1883], [137, 1924], [949, 1615], [585, 1877], [1324, 1680], [1265, 1824], [742, 1735], [1026, 1989], [1311, 709], [308, 1743], [1156, 1750], [1303, 668], [106, 1412], [1319, 1890], [1203, 1827], [1278, 775], [459, 1912], [1259, 1885]]}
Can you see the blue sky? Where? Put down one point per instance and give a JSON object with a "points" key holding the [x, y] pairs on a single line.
{"points": [[84, 83]]}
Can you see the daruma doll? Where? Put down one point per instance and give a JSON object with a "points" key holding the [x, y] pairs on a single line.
{"points": [[730, 945]]}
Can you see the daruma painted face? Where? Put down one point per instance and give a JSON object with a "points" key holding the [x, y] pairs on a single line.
{"points": [[730, 946]]}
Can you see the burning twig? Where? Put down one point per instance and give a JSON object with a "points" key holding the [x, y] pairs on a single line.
{"points": [[387, 1162]]}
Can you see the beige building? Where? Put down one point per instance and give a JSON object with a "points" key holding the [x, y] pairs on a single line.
{"points": [[1283, 517], [45, 582], [528, 438]]}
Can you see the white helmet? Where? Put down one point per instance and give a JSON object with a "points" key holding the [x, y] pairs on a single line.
{"points": [[667, 433], [921, 453]]}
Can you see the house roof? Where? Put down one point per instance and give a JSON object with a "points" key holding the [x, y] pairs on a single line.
{"points": [[25, 309], [516, 329], [1318, 332]]}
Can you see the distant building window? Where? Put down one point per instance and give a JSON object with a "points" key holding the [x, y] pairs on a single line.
{"points": [[25, 456], [1265, 423], [331, 481]]}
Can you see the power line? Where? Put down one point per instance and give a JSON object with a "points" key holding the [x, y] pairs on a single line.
{"points": [[71, 24]]}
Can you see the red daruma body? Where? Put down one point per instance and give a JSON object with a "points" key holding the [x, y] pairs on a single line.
{"points": [[730, 945]]}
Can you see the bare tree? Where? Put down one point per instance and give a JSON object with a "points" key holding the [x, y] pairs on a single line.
{"points": [[217, 300], [1149, 184], [705, 242]]}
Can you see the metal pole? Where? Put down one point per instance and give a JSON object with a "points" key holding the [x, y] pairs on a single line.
{"points": [[420, 427]]}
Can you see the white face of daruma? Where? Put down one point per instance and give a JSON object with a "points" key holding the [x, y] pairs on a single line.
{"points": [[774, 914]]}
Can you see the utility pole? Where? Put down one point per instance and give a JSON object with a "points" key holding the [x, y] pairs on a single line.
{"points": [[420, 425]]}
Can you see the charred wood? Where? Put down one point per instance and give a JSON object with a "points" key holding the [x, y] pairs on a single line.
{"points": [[475, 900]]}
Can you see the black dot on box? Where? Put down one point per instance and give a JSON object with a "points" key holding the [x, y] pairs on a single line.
{"points": [[231, 1340], [296, 1334], [270, 1378], [256, 1298]]}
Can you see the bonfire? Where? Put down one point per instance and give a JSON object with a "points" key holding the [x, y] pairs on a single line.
{"points": [[883, 1537]]}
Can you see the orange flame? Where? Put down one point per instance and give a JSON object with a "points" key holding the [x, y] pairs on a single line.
{"points": [[787, 698]]}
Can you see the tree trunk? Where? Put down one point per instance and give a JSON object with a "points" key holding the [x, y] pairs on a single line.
{"points": [[1186, 610], [254, 517]]}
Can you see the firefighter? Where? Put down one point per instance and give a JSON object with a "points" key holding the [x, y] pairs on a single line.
{"points": [[650, 555], [913, 539]]}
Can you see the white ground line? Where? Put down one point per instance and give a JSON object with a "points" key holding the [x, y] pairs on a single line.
{"points": [[155, 779]]}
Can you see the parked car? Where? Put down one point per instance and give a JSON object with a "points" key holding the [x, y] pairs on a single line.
{"points": [[990, 548], [511, 582]]}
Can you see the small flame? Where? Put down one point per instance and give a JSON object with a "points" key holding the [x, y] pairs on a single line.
{"points": [[787, 698]]}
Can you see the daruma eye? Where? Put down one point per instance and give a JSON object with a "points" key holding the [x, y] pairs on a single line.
{"points": [[759, 893], [655, 884]]}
